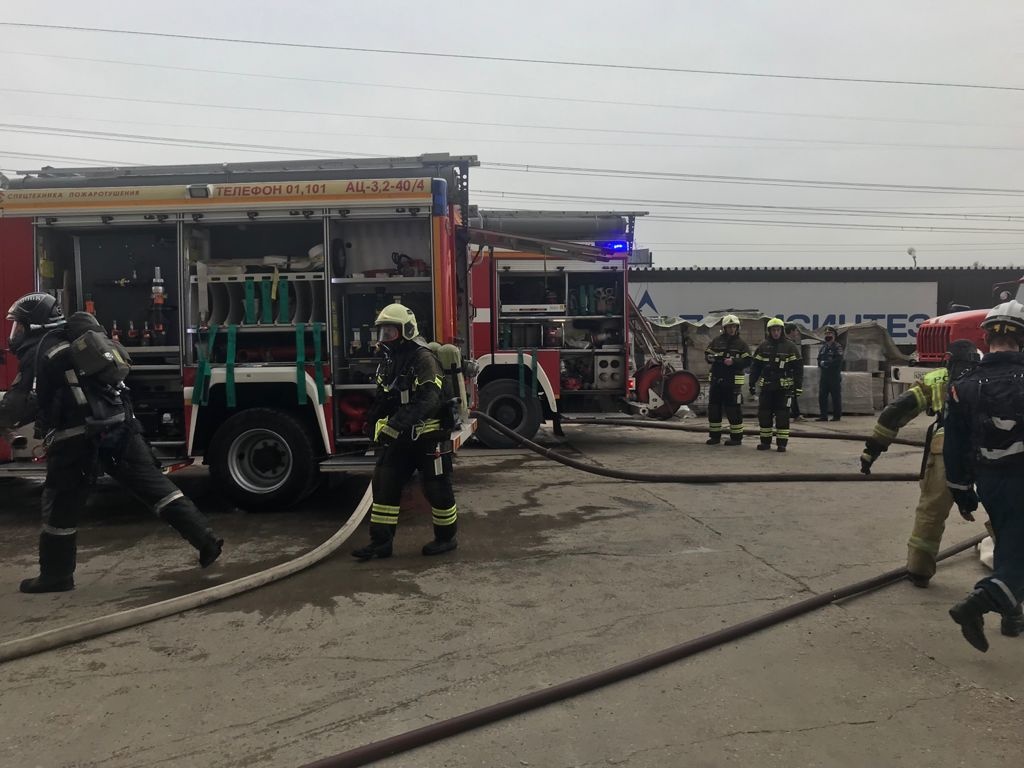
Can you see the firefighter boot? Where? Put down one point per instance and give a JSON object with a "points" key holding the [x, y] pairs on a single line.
{"points": [[714, 439], [183, 516], [1013, 622], [444, 540], [56, 564], [780, 445], [765, 444], [969, 613], [381, 537]]}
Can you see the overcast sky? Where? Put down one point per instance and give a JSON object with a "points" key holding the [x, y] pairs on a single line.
{"points": [[544, 114]]}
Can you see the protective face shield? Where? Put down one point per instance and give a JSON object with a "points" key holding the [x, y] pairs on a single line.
{"points": [[388, 334], [15, 333]]}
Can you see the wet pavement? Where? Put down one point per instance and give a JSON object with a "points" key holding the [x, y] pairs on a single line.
{"points": [[558, 574]]}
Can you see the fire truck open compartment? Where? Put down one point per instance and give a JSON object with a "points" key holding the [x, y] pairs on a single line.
{"points": [[114, 271], [575, 309], [374, 262]]}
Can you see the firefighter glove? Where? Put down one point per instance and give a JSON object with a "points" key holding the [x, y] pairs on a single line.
{"points": [[753, 389], [383, 433], [966, 501]]}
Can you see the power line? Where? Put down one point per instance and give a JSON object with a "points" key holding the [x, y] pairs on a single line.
{"points": [[413, 138], [27, 156], [828, 225], [480, 123], [619, 173], [515, 59], [497, 94], [780, 209], [171, 141]]}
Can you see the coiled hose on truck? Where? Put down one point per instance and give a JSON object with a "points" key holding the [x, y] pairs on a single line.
{"points": [[93, 628], [428, 734]]}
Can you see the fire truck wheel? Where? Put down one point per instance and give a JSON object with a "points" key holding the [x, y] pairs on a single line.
{"points": [[263, 459], [501, 401]]}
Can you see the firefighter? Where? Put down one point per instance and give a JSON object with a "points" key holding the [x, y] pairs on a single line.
{"points": [[89, 429], [926, 396], [780, 370], [984, 449], [830, 365], [406, 422], [729, 356]]}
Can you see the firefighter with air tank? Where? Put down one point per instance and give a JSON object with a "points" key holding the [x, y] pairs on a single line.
{"points": [[779, 370], [410, 417], [729, 357]]}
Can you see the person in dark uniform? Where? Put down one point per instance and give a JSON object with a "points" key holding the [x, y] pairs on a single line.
{"points": [[89, 428], [830, 365], [729, 356], [984, 449], [406, 419], [780, 370]]}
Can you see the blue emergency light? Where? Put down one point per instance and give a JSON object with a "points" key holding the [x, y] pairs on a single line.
{"points": [[614, 245]]}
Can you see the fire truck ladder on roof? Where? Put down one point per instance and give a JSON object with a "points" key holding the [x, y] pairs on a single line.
{"points": [[556, 249]]}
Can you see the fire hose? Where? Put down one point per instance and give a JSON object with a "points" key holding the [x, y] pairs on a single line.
{"points": [[133, 617], [428, 734], [93, 628], [817, 434], [696, 479]]}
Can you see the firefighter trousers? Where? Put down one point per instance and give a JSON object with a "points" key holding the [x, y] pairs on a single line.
{"points": [[773, 406], [725, 395], [71, 467], [396, 463], [933, 506], [1001, 492]]}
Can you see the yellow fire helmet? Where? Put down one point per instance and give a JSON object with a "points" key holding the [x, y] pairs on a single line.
{"points": [[730, 320], [400, 315], [775, 322]]}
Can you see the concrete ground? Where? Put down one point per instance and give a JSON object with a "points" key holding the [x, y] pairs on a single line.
{"points": [[558, 574]]}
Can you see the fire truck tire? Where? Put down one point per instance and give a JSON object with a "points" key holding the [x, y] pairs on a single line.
{"points": [[263, 459], [500, 400]]}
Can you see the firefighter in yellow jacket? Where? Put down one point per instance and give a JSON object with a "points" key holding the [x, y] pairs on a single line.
{"points": [[933, 506], [406, 421]]}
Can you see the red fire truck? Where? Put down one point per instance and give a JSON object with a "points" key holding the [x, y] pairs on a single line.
{"points": [[935, 334], [246, 295], [555, 332]]}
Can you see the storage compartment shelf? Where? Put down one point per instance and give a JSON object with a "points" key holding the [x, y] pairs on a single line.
{"points": [[258, 329], [378, 280], [511, 318], [241, 278], [344, 387], [161, 350]]}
